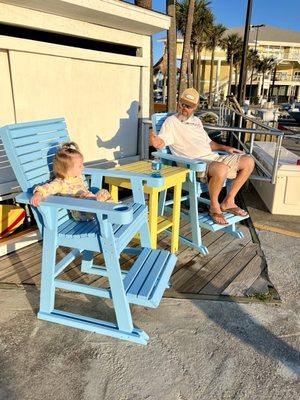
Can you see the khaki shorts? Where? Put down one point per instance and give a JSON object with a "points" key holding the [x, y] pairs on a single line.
{"points": [[231, 160]]}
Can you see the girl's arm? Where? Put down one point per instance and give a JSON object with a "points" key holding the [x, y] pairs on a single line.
{"points": [[104, 195], [40, 192]]}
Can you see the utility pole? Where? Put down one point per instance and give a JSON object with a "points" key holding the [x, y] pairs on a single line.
{"points": [[255, 46], [243, 70]]}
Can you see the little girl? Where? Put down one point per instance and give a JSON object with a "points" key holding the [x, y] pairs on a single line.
{"points": [[68, 168]]}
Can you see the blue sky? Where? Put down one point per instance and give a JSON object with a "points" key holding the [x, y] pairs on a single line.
{"points": [[231, 13]]}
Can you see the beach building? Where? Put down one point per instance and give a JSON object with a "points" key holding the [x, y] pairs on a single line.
{"points": [[281, 44], [88, 62]]}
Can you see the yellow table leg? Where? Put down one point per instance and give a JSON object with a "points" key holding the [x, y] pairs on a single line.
{"points": [[153, 217], [176, 217], [114, 193]]}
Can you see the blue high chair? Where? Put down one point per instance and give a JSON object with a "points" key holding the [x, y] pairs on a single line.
{"points": [[30, 148], [194, 190]]}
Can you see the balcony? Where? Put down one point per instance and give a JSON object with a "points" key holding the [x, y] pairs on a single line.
{"points": [[284, 76], [281, 55]]}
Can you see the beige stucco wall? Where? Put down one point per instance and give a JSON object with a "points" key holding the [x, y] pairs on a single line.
{"points": [[101, 95]]}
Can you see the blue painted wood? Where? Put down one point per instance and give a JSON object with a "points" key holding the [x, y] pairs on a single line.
{"points": [[94, 325], [148, 278], [30, 148], [194, 189]]}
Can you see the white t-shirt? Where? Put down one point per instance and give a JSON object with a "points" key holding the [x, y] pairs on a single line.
{"points": [[186, 139]]}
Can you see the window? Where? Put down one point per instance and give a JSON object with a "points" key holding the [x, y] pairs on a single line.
{"points": [[297, 76]]}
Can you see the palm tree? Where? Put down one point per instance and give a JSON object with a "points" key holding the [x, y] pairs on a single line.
{"points": [[252, 57], [171, 59], [237, 59], [186, 46], [252, 61], [144, 3], [231, 43], [216, 34], [265, 65], [202, 21], [148, 4]]}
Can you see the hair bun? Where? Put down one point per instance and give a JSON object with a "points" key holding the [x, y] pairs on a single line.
{"points": [[69, 146]]}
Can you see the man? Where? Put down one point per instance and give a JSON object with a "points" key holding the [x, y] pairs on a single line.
{"points": [[185, 136]]}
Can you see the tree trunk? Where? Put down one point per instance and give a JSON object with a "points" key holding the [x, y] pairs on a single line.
{"points": [[186, 46], [164, 88], [189, 71], [199, 67], [235, 81], [151, 97], [211, 78], [263, 84], [230, 74], [172, 67], [195, 64]]}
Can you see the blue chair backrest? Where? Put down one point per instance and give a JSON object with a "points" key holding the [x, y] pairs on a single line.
{"points": [[31, 147], [158, 119]]}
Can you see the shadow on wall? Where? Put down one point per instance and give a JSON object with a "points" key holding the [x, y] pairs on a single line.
{"points": [[124, 142]]}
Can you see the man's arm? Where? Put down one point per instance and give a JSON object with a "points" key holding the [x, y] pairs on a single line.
{"points": [[156, 141], [216, 146]]}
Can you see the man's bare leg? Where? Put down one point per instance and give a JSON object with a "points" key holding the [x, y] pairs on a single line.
{"points": [[245, 168], [217, 172]]}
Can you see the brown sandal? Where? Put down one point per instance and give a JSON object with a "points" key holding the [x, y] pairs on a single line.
{"points": [[237, 211], [215, 215]]}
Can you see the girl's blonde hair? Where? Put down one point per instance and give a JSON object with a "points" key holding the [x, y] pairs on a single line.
{"points": [[64, 157]]}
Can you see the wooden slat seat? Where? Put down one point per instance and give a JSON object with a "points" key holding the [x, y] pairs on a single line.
{"points": [[71, 229], [147, 279]]}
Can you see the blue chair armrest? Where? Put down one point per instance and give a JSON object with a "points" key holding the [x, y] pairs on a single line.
{"points": [[117, 213], [23, 198], [188, 163], [150, 180]]}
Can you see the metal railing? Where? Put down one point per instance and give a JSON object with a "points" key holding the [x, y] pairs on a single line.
{"points": [[281, 55], [240, 127]]}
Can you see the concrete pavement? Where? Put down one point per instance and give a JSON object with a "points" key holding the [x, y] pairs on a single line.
{"points": [[198, 350]]}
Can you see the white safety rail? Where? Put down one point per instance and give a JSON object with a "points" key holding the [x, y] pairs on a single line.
{"points": [[246, 130]]}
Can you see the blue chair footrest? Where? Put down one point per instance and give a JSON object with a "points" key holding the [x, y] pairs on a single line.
{"points": [[149, 276], [205, 221]]}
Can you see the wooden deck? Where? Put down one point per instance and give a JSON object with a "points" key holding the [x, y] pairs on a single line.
{"points": [[230, 269]]}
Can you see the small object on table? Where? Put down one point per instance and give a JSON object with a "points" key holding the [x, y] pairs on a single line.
{"points": [[156, 165]]}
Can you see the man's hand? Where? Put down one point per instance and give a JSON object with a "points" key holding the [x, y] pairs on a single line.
{"points": [[233, 150], [156, 141], [221, 147]]}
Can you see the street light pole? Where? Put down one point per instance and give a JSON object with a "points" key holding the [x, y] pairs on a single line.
{"points": [[255, 45], [243, 69]]}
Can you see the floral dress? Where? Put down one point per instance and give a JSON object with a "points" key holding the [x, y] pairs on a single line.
{"points": [[74, 187]]}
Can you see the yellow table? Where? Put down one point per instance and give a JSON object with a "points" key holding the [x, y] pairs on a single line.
{"points": [[174, 177]]}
